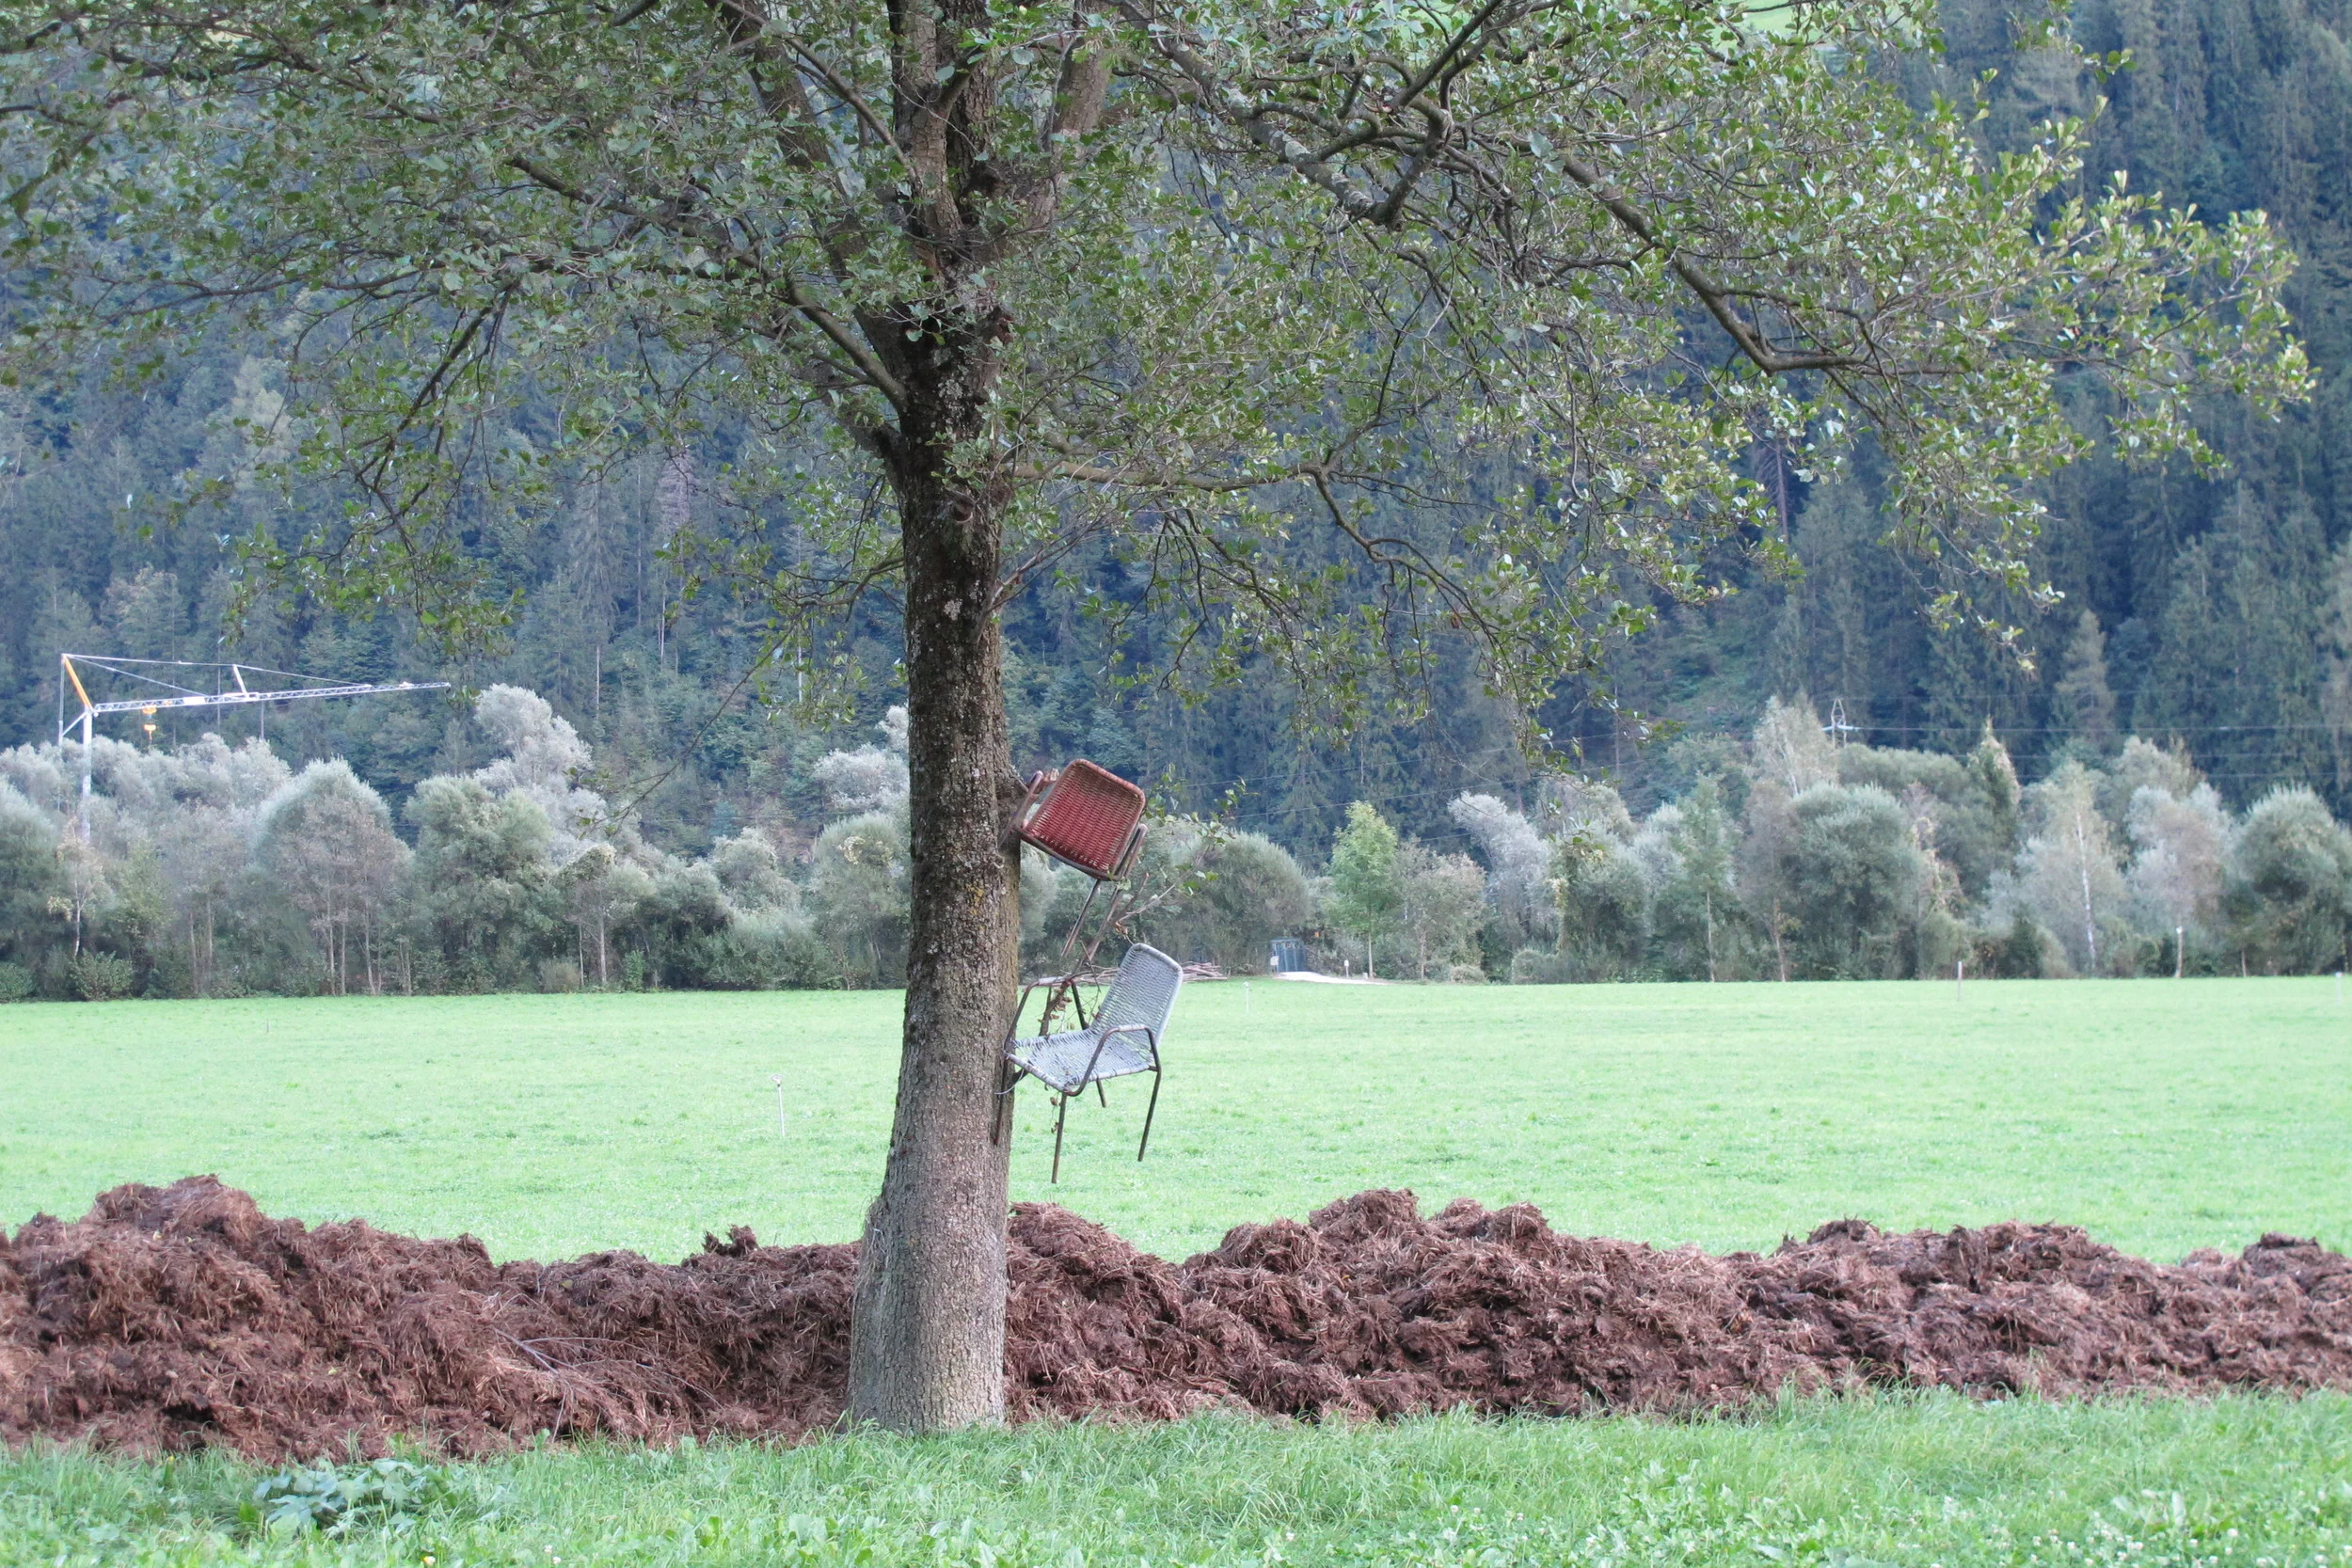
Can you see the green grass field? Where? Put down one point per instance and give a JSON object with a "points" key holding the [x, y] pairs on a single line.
{"points": [[2163, 1117]]}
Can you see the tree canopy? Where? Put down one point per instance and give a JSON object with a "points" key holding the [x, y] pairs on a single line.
{"points": [[1503, 295]]}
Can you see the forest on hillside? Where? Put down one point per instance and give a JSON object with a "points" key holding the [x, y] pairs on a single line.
{"points": [[2210, 614]]}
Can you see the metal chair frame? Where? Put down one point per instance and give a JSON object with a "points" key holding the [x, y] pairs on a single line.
{"points": [[1062, 985]]}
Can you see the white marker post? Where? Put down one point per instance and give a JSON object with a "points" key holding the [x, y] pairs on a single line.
{"points": [[783, 1128], [1959, 974]]}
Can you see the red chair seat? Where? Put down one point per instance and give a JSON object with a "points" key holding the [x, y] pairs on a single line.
{"points": [[1086, 816]]}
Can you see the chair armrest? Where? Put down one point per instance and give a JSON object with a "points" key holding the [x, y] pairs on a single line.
{"points": [[1133, 847], [1150, 1035], [1039, 784], [1021, 1005]]}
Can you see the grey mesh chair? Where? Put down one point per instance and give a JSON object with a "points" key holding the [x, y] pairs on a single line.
{"points": [[1123, 1038]]}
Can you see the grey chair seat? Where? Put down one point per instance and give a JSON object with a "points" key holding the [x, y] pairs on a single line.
{"points": [[1061, 1061]]}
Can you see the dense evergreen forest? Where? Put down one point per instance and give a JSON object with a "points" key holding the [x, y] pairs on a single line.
{"points": [[2219, 609], [2213, 612]]}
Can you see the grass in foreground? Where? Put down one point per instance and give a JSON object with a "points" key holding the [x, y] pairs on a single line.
{"points": [[1929, 1480], [2161, 1114]]}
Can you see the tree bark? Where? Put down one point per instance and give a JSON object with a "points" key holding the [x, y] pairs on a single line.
{"points": [[927, 1345]]}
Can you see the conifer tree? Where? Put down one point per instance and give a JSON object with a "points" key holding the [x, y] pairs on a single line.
{"points": [[2335, 681], [2083, 701], [1989, 764]]}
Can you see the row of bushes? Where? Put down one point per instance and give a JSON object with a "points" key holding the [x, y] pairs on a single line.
{"points": [[207, 870], [1791, 858], [211, 870]]}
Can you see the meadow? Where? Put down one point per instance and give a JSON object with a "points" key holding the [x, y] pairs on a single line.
{"points": [[2162, 1116]]}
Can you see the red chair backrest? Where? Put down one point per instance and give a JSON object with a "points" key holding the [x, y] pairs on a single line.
{"points": [[1086, 817]]}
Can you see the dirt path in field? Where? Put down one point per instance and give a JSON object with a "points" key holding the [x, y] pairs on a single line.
{"points": [[182, 1316]]}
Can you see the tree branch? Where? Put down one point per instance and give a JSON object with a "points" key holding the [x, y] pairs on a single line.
{"points": [[1714, 296]]}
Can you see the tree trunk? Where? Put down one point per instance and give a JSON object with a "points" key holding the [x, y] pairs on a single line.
{"points": [[927, 1346], [2091, 925]]}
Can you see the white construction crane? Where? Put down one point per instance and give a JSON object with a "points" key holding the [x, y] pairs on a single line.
{"points": [[171, 695]]}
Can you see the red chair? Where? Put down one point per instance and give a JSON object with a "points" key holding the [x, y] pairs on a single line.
{"points": [[1086, 816]]}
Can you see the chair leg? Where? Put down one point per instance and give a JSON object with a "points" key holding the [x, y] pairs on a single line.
{"points": [[1061, 1112], [1147, 1115], [1000, 1125]]}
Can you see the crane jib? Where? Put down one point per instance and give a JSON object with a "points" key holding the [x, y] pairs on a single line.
{"points": [[232, 699]]}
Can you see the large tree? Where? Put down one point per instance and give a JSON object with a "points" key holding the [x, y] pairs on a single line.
{"points": [[1341, 330]]}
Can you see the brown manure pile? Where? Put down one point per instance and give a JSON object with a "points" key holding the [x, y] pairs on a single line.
{"points": [[181, 1317]]}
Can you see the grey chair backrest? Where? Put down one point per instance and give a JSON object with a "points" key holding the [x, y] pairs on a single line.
{"points": [[1143, 993]]}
